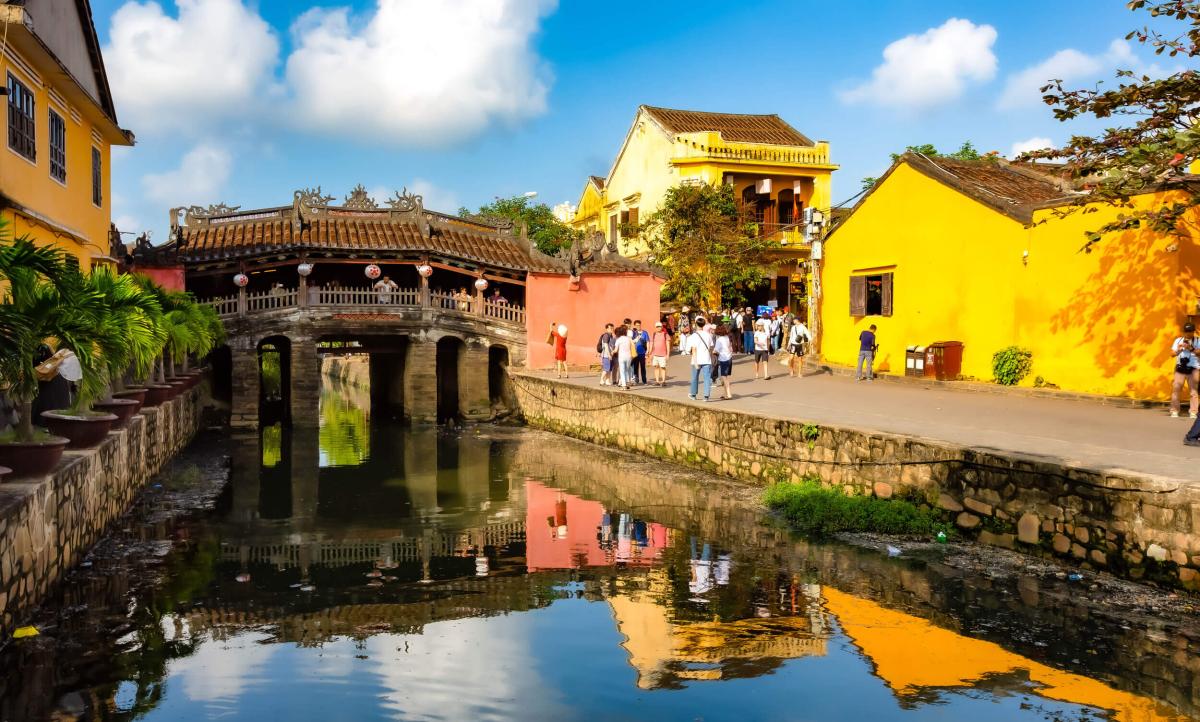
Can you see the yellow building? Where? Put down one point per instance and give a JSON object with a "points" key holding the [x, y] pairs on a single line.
{"points": [[776, 172], [974, 251], [60, 125]]}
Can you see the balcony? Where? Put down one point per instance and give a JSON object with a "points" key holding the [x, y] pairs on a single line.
{"points": [[365, 300], [785, 234], [692, 151]]}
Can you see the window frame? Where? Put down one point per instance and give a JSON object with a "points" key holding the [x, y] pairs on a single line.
{"points": [[22, 122], [60, 162], [97, 177], [860, 296]]}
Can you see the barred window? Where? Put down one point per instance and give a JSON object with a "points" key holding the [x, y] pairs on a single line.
{"points": [[58, 148], [21, 134], [97, 178]]}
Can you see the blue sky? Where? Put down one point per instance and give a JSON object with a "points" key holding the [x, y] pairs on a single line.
{"points": [[244, 102]]}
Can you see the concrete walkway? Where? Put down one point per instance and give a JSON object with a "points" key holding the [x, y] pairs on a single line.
{"points": [[1076, 433]]}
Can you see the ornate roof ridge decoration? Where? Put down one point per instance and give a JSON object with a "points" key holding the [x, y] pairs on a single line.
{"points": [[308, 202], [360, 200], [194, 215], [411, 206]]}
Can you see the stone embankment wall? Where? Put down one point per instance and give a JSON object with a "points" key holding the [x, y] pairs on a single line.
{"points": [[48, 525], [352, 370], [1136, 526]]}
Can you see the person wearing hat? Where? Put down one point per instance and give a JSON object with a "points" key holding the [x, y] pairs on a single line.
{"points": [[1187, 370], [660, 349]]}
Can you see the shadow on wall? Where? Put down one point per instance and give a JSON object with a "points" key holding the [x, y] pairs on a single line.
{"points": [[1129, 309]]}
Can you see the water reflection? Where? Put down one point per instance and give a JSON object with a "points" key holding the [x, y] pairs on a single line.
{"points": [[372, 572]]}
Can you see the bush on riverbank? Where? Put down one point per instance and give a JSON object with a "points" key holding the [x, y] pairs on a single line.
{"points": [[821, 511]]}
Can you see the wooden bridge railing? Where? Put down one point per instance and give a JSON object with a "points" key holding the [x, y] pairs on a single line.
{"points": [[243, 303]]}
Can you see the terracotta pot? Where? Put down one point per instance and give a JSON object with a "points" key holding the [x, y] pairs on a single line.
{"points": [[137, 394], [84, 432], [179, 384], [123, 409], [156, 394], [32, 458]]}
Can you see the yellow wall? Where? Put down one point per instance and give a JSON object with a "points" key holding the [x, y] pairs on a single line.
{"points": [[67, 209], [652, 162], [1097, 322]]}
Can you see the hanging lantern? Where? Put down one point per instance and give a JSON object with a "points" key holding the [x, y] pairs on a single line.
{"points": [[425, 270], [241, 280], [372, 271], [304, 269], [481, 284]]}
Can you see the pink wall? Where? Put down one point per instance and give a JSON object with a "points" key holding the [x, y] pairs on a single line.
{"points": [[169, 277], [601, 298], [561, 529]]}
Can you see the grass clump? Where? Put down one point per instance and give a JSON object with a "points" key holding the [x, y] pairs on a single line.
{"points": [[817, 510]]}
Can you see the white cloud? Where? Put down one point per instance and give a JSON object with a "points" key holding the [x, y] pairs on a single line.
{"points": [[935, 67], [198, 180], [417, 72], [214, 61], [1035, 143], [1023, 89]]}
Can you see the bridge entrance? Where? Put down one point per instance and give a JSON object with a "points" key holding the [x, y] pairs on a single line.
{"points": [[450, 356], [274, 379]]}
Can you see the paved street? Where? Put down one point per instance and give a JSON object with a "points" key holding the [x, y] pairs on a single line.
{"points": [[1075, 432]]}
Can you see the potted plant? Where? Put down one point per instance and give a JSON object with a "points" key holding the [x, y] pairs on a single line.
{"points": [[30, 313]]}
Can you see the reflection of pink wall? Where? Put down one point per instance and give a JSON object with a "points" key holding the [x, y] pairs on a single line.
{"points": [[169, 277], [545, 550], [601, 298]]}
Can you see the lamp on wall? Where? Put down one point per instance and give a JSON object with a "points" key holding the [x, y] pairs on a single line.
{"points": [[481, 283], [304, 269], [372, 271], [425, 270], [241, 280]]}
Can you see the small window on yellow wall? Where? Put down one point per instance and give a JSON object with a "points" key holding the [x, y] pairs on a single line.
{"points": [[58, 147], [871, 295], [97, 178]]}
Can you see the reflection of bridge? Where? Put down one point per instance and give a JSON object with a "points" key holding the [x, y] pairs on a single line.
{"points": [[343, 552]]}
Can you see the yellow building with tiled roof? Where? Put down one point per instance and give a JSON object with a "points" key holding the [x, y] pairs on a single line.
{"points": [[775, 170], [60, 123]]}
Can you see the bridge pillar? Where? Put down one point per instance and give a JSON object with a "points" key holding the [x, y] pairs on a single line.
{"points": [[305, 390], [306, 463], [420, 381], [474, 397], [243, 412]]}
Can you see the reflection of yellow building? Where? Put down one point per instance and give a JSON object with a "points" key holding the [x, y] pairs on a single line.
{"points": [[913, 656], [973, 251], [60, 124], [775, 171], [665, 651]]}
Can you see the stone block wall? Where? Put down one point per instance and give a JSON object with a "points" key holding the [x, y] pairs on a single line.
{"points": [[48, 525], [1133, 525]]}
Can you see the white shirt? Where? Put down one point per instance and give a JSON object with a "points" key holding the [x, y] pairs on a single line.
{"points": [[724, 348], [698, 345], [799, 332], [624, 348], [762, 340]]}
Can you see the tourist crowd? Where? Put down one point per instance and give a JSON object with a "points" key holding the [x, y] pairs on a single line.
{"points": [[710, 341]]}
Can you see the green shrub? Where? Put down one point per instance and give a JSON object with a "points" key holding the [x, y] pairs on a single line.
{"points": [[820, 511], [1011, 364]]}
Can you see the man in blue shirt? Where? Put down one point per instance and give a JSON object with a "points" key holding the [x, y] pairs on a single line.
{"points": [[866, 354], [641, 340]]}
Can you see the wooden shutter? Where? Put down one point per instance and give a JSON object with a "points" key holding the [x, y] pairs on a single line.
{"points": [[858, 295], [633, 216], [612, 228], [886, 304]]}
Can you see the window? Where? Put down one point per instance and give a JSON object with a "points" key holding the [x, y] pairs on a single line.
{"points": [[871, 295], [787, 207], [97, 178], [58, 148], [613, 229], [21, 135]]}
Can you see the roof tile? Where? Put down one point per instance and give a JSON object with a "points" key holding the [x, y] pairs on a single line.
{"points": [[735, 127]]}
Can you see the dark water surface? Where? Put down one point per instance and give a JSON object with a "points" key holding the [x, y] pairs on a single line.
{"points": [[370, 572]]}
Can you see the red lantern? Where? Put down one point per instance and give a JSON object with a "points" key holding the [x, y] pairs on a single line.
{"points": [[372, 271], [241, 280]]}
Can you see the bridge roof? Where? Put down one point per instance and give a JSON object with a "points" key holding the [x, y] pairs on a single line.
{"points": [[360, 227]]}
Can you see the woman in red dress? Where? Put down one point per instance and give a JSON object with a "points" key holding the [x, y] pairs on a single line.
{"points": [[558, 335]]}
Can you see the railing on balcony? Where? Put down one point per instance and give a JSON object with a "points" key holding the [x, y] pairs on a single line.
{"points": [[367, 299], [271, 300], [787, 234], [819, 155]]}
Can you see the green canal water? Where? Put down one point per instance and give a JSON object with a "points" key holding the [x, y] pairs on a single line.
{"points": [[371, 572]]}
